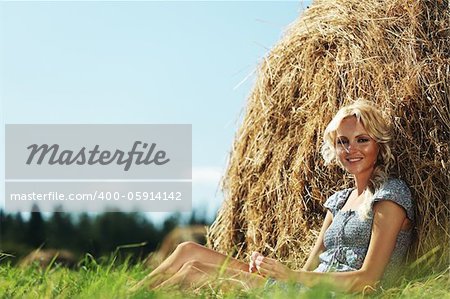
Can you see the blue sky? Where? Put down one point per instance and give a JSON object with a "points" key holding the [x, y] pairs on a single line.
{"points": [[139, 62]]}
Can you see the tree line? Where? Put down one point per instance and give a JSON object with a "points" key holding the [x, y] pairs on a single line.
{"points": [[98, 235]]}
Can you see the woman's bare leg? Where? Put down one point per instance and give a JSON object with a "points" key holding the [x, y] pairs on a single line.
{"points": [[197, 274], [186, 252]]}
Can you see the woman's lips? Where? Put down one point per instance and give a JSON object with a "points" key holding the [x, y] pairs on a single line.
{"points": [[352, 160]]}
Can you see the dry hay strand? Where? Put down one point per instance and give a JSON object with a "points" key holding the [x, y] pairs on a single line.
{"points": [[394, 53]]}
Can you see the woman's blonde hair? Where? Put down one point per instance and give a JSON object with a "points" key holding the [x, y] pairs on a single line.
{"points": [[378, 129]]}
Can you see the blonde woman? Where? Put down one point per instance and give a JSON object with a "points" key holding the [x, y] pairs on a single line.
{"points": [[365, 235]]}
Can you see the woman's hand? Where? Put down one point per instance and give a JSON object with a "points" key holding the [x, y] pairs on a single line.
{"points": [[268, 267], [252, 265]]}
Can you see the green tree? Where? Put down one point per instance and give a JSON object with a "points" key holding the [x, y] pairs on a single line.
{"points": [[35, 236]]}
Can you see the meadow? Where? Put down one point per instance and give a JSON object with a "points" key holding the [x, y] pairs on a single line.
{"points": [[111, 278]]}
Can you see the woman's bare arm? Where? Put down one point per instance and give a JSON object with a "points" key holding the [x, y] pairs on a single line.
{"points": [[387, 223], [313, 259]]}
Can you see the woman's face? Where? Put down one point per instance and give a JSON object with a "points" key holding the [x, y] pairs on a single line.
{"points": [[355, 149]]}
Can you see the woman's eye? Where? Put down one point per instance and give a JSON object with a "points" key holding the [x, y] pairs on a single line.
{"points": [[339, 141], [363, 140]]}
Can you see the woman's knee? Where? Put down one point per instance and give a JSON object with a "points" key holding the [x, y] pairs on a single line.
{"points": [[187, 247], [184, 252]]}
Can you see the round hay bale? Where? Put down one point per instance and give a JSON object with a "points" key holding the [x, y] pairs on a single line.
{"points": [[44, 257], [395, 53]]}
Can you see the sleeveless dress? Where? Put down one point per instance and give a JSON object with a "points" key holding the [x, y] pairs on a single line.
{"points": [[347, 238]]}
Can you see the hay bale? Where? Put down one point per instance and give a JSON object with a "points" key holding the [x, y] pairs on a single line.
{"points": [[394, 53], [44, 257]]}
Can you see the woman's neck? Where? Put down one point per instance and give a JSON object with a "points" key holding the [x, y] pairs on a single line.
{"points": [[362, 181]]}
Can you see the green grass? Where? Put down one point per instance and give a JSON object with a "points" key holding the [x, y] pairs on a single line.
{"points": [[111, 279]]}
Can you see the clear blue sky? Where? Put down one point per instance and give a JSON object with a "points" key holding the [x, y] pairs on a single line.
{"points": [[139, 62]]}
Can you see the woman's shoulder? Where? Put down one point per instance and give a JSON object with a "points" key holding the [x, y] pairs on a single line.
{"points": [[396, 190], [394, 187], [396, 184]]}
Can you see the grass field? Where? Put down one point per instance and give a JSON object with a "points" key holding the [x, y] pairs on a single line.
{"points": [[108, 278]]}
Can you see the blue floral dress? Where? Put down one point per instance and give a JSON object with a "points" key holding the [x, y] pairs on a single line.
{"points": [[347, 239]]}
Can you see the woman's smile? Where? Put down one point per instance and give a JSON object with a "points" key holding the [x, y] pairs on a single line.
{"points": [[352, 160]]}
